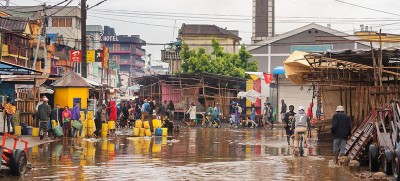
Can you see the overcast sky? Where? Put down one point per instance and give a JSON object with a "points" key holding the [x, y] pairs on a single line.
{"points": [[233, 14]]}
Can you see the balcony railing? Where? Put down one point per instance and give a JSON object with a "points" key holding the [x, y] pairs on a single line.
{"points": [[125, 62], [139, 64], [120, 50], [139, 51]]}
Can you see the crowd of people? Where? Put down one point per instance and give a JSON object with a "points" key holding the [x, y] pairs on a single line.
{"points": [[124, 114]]}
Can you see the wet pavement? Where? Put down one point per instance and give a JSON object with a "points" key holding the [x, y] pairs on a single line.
{"points": [[192, 154]]}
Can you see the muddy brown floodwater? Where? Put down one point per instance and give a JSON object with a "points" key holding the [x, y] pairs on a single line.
{"points": [[192, 154]]}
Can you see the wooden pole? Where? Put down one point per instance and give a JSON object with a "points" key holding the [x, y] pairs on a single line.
{"points": [[374, 64], [380, 57]]}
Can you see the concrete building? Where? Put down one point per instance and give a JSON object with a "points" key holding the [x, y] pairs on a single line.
{"points": [[94, 33], [64, 21], [263, 20], [126, 52], [272, 52], [200, 36]]}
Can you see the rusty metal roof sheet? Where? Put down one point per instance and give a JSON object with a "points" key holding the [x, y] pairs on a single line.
{"points": [[71, 79]]}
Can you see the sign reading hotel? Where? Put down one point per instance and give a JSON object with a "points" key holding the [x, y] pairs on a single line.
{"points": [[109, 38]]}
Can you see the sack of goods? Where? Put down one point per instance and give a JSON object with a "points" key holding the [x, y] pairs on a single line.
{"points": [[135, 132], [58, 131], [158, 132], [146, 125], [147, 132], [138, 124], [77, 124]]}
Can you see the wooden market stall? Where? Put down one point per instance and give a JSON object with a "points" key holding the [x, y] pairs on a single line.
{"points": [[22, 85]]}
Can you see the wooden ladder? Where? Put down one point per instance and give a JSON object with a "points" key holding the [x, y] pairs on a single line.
{"points": [[360, 137]]}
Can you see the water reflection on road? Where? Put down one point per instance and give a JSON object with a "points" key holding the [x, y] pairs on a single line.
{"points": [[192, 154]]}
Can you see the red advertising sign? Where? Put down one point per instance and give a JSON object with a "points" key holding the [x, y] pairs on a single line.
{"points": [[268, 78], [75, 56]]}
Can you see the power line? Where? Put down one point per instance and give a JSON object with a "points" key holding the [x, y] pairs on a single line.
{"points": [[377, 10], [101, 2], [149, 24]]}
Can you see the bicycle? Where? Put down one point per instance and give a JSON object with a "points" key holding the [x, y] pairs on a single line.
{"points": [[300, 146]]}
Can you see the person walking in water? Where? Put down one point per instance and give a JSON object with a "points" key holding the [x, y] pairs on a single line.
{"points": [[288, 119], [341, 130], [253, 117]]}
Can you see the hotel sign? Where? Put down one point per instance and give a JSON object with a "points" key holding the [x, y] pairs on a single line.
{"points": [[310, 48], [109, 38]]}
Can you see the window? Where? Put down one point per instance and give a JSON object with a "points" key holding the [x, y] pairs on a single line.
{"points": [[68, 22], [54, 22], [61, 22], [116, 47], [78, 24]]}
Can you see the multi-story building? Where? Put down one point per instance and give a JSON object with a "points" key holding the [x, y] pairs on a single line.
{"points": [[200, 36], [15, 34], [126, 52], [94, 33], [64, 21], [263, 20]]}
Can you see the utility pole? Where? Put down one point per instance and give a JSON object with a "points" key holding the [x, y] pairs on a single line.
{"points": [[83, 38], [42, 33]]}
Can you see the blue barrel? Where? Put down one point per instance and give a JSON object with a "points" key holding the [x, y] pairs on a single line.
{"points": [[29, 130], [158, 132]]}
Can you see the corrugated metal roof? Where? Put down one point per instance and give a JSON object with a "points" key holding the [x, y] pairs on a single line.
{"points": [[201, 29], [72, 79], [58, 11], [15, 24]]}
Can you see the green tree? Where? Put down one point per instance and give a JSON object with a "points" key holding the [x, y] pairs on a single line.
{"points": [[217, 62]]}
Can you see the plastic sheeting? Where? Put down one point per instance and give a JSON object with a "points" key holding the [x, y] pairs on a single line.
{"points": [[250, 95]]}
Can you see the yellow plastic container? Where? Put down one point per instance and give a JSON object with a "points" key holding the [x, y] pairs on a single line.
{"points": [[156, 123], [135, 131], [111, 125], [104, 134], [104, 145], [146, 125], [90, 131], [111, 148], [164, 131], [17, 130], [141, 132], [35, 132], [156, 148], [147, 132], [90, 123], [84, 124], [84, 132], [138, 124], [104, 127], [54, 123], [89, 115]]}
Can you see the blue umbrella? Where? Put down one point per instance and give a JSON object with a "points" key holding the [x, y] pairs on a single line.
{"points": [[279, 70]]}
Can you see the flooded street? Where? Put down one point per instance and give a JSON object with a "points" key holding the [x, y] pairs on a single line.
{"points": [[192, 154]]}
